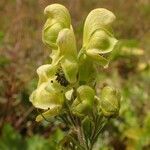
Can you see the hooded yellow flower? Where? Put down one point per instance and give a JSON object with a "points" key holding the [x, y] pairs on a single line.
{"points": [[98, 40], [49, 95], [58, 18], [68, 51]]}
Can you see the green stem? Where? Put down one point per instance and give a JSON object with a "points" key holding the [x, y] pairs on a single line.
{"points": [[81, 136], [101, 123]]}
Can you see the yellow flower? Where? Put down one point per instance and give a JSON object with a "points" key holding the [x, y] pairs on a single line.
{"points": [[67, 46], [98, 40], [49, 95], [50, 102], [58, 18]]}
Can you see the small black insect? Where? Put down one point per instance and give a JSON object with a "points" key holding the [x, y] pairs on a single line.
{"points": [[60, 77]]}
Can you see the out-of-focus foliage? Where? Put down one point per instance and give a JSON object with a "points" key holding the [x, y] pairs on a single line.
{"points": [[21, 52], [10, 138]]}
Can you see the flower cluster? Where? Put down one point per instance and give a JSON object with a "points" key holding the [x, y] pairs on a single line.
{"points": [[71, 76]]}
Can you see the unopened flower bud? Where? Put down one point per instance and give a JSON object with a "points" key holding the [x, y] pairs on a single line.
{"points": [[83, 104], [109, 102]]}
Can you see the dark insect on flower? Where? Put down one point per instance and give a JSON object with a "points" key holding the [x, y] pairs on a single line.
{"points": [[60, 77]]}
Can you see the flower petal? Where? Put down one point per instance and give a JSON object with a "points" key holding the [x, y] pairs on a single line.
{"points": [[49, 113], [67, 46], [97, 19], [58, 18], [96, 56], [103, 41], [43, 99], [46, 72], [70, 69]]}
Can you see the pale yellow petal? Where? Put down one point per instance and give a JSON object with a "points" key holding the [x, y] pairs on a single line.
{"points": [[97, 19]]}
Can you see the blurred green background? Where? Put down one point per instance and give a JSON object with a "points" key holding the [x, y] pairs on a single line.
{"points": [[22, 51]]}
